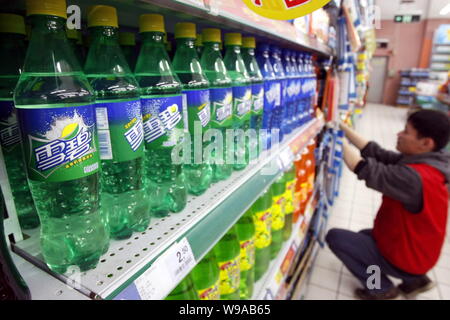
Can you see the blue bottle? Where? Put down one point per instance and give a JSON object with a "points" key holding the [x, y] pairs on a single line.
{"points": [[297, 91], [272, 90], [310, 83], [288, 114], [280, 75], [301, 112]]}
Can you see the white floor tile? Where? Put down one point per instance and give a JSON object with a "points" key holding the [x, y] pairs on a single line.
{"points": [[444, 262], [318, 293], [442, 275], [445, 291], [344, 297], [329, 261], [325, 278], [348, 285]]}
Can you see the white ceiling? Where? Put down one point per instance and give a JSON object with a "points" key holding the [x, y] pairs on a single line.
{"points": [[427, 8]]}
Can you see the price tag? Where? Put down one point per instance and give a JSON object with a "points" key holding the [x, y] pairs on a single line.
{"points": [[153, 284], [179, 260], [286, 158]]}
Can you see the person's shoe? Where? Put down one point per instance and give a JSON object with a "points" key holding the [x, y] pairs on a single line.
{"points": [[365, 294], [413, 288]]}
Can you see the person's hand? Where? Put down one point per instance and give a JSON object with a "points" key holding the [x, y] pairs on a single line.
{"points": [[332, 125]]}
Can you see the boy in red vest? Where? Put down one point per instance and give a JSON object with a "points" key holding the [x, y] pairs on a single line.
{"points": [[409, 229]]}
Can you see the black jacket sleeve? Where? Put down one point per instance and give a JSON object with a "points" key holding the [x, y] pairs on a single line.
{"points": [[396, 181], [373, 150]]}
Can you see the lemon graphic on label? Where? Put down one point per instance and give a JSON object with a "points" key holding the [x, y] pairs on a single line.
{"points": [[173, 108], [202, 106], [69, 131], [284, 9]]}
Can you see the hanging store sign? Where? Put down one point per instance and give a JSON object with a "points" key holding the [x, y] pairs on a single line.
{"points": [[284, 9]]}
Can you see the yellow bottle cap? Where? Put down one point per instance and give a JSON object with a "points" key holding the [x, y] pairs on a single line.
{"points": [[212, 35], [127, 39], [12, 23], [233, 39], [47, 7], [249, 42], [151, 23], [199, 41], [102, 16], [185, 30]]}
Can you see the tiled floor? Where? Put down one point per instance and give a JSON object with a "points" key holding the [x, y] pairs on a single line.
{"points": [[355, 209]]}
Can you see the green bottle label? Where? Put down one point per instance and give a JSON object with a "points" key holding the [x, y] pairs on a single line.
{"points": [[278, 212], [60, 144], [9, 127], [210, 293], [196, 108], [289, 196], [163, 124], [263, 227], [242, 102], [257, 98], [247, 254], [120, 131], [221, 107], [230, 276]]}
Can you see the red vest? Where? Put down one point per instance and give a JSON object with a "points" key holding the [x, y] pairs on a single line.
{"points": [[413, 241]]}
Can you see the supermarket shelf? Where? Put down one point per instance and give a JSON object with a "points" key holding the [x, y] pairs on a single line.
{"points": [[129, 263], [270, 286], [304, 269]]}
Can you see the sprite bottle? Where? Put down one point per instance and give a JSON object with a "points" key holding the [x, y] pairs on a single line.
{"points": [[228, 254], [12, 56], [196, 107], [199, 44], [206, 277], [75, 40], [185, 290], [221, 97], [290, 181], [55, 105], [278, 215], [163, 123], [242, 97], [256, 121], [262, 217], [119, 127], [246, 231], [127, 41]]}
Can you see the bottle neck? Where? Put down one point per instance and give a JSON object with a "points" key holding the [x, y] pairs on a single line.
{"points": [[104, 35], [186, 56], [153, 38], [249, 51]]}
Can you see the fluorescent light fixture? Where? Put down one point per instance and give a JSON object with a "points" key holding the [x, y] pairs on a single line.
{"points": [[445, 10]]}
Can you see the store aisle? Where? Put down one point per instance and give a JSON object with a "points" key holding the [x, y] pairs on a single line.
{"points": [[355, 209]]}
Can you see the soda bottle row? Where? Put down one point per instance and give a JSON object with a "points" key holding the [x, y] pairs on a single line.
{"points": [[94, 158]]}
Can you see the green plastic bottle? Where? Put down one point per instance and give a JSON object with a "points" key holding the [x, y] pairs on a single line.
{"points": [[57, 119], [127, 41], [221, 96], [242, 97], [246, 231], [228, 253], [278, 215], [125, 204], [206, 277], [248, 54], [290, 180], [184, 291], [262, 217], [163, 123], [12, 56], [75, 40], [196, 106], [199, 44]]}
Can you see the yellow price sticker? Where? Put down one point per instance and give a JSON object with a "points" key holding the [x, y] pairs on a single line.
{"points": [[284, 9]]}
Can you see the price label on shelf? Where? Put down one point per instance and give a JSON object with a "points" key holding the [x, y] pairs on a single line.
{"points": [[179, 260], [286, 158]]}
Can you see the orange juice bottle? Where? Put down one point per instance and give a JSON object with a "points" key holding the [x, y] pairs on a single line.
{"points": [[300, 187], [310, 169]]}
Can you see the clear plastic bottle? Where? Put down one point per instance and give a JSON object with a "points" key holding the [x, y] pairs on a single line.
{"points": [[246, 231], [196, 105], [297, 91], [199, 46], [56, 114], [256, 121], [221, 95], [228, 252], [242, 97], [127, 41], [206, 277], [279, 110], [75, 40], [124, 202], [163, 124], [12, 56]]}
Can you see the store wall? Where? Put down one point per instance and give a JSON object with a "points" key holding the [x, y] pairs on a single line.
{"points": [[410, 46]]}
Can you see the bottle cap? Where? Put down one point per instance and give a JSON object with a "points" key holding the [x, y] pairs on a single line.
{"points": [[12, 23], [199, 41], [127, 39], [212, 35], [102, 16], [249, 42], [151, 23], [233, 39], [47, 7], [185, 30]]}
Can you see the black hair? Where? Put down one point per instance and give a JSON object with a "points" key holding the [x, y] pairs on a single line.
{"points": [[432, 124]]}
